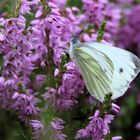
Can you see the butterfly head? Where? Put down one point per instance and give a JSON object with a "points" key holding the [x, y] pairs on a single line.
{"points": [[73, 45], [75, 40]]}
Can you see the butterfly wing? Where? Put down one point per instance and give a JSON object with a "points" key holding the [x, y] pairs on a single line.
{"points": [[126, 66], [96, 69]]}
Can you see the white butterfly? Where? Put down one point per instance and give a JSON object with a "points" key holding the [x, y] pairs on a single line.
{"points": [[104, 68]]}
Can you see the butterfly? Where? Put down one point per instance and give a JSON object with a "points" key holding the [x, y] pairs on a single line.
{"points": [[104, 68]]}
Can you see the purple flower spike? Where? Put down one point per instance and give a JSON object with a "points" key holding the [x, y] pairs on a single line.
{"points": [[97, 127], [57, 127], [37, 128]]}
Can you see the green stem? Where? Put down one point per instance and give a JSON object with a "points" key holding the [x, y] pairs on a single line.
{"points": [[14, 7], [3, 3], [105, 108], [106, 105]]}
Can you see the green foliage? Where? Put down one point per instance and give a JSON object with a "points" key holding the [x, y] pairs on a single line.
{"points": [[124, 124], [11, 128], [71, 3], [5, 5], [29, 18], [101, 31], [8, 7], [77, 117], [106, 105]]}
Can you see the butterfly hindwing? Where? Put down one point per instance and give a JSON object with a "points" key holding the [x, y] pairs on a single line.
{"points": [[96, 69]]}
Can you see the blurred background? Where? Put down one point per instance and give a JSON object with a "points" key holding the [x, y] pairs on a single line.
{"points": [[123, 30]]}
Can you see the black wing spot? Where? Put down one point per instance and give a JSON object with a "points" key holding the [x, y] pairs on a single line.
{"points": [[121, 70]]}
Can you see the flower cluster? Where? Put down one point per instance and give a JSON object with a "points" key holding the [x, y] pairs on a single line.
{"points": [[71, 83], [98, 127], [30, 51], [17, 65], [57, 127], [97, 11], [129, 34]]}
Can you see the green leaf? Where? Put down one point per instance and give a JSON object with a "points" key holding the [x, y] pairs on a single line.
{"points": [[101, 31]]}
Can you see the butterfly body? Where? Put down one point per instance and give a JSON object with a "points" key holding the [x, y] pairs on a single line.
{"points": [[105, 68]]}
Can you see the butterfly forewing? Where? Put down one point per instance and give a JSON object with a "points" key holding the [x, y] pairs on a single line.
{"points": [[126, 69]]}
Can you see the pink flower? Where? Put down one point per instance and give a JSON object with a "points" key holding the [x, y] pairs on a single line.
{"points": [[37, 128], [116, 138], [57, 127], [56, 72], [25, 7]]}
